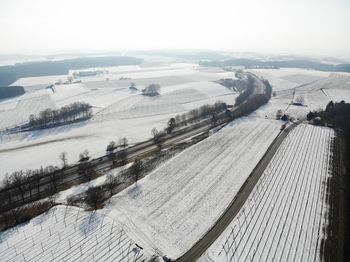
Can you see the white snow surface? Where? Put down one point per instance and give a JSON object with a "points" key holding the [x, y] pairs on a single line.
{"points": [[315, 88], [69, 234], [118, 111], [176, 204], [285, 215]]}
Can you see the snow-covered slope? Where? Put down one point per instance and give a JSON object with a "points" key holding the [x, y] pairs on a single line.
{"points": [[177, 203], [284, 217], [69, 234], [118, 111]]}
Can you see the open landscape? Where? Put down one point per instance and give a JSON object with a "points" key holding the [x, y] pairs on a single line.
{"points": [[150, 131], [284, 218], [173, 207]]}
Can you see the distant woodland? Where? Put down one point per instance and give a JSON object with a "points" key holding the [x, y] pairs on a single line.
{"points": [[11, 91], [251, 63], [9, 74]]}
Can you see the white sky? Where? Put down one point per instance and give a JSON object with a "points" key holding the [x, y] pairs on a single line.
{"points": [[278, 26]]}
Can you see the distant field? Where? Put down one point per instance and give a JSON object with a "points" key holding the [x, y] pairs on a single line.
{"points": [[315, 89], [285, 216], [337, 95], [118, 111], [23, 109]]}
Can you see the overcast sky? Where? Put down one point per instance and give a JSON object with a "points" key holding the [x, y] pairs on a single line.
{"points": [[314, 27]]}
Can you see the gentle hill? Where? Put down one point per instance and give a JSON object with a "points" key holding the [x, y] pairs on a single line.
{"points": [[9, 74]]}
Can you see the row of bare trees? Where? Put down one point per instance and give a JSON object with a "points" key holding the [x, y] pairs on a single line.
{"points": [[70, 113], [25, 186], [197, 114], [112, 146]]}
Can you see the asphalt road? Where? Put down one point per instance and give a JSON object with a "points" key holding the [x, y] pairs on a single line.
{"points": [[236, 204]]}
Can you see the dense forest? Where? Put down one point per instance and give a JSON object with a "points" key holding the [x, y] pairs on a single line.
{"points": [[74, 112], [9, 74], [11, 91], [252, 63]]}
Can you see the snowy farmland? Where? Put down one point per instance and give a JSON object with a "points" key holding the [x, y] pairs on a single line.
{"points": [[285, 215], [118, 111], [314, 89], [69, 234], [177, 203]]}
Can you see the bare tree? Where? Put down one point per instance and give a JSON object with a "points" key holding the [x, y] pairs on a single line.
{"points": [[123, 142], [84, 156], [15, 213], [158, 137], [111, 183], [154, 132], [279, 114], [63, 158], [136, 169], [110, 148], [171, 125], [7, 184], [94, 197], [17, 179], [54, 177], [214, 118]]}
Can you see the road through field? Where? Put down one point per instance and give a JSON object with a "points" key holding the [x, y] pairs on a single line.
{"points": [[203, 244]]}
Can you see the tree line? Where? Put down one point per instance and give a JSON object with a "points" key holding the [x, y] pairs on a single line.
{"points": [[247, 92], [197, 114], [73, 112], [337, 115]]}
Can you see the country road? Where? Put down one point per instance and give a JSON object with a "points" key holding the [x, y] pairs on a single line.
{"points": [[236, 204]]}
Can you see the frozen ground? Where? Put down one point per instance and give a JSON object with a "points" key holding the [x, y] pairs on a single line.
{"points": [[118, 111], [178, 202], [18, 112], [69, 234], [287, 78], [338, 95], [315, 89], [284, 217]]}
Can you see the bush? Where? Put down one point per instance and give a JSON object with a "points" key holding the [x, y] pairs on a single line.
{"points": [[151, 90]]}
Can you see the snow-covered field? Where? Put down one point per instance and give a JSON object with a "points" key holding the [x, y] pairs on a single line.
{"points": [[337, 95], [69, 234], [177, 203], [314, 88], [118, 111], [23, 108], [288, 78], [284, 217]]}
